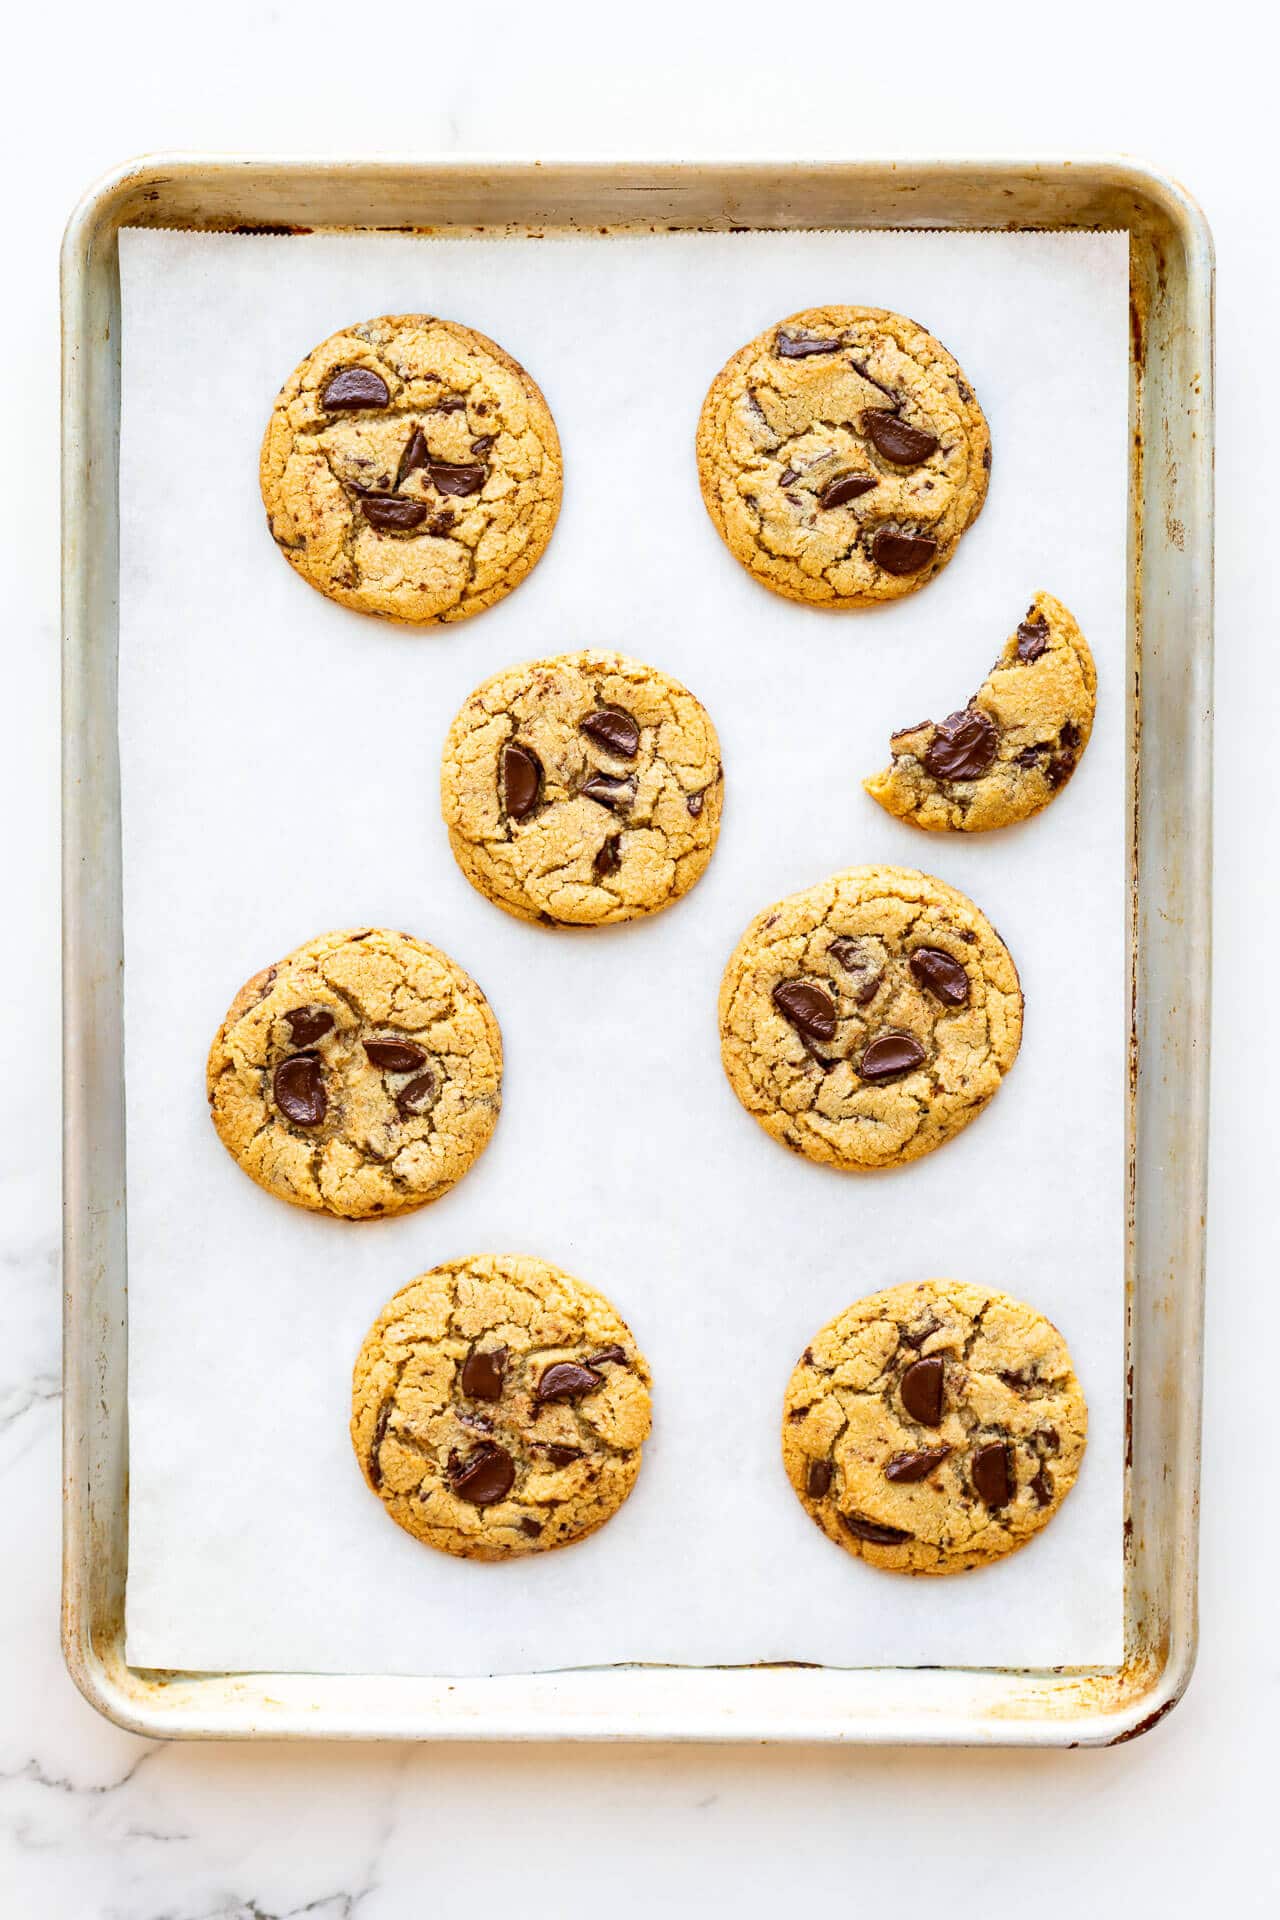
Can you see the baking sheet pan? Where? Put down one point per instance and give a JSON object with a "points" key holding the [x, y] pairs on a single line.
{"points": [[867, 1705]]}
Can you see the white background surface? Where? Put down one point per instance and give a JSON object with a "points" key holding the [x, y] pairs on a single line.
{"points": [[725, 1253], [94, 1823]]}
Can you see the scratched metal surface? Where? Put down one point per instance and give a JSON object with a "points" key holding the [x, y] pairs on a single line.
{"points": [[1170, 701]]}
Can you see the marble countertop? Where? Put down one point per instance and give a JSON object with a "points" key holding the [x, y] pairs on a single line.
{"points": [[97, 1825]]}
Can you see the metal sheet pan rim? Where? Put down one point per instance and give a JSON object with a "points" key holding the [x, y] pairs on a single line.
{"points": [[1119, 170], [1171, 584]]}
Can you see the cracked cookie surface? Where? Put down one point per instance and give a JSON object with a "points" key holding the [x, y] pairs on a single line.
{"points": [[582, 789], [866, 1020], [411, 468], [934, 1427], [499, 1407], [359, 1076], [1013, 748], [842, 455]]}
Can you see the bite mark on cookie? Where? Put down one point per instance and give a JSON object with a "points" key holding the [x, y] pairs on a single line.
{"points": [[1004, 756]]}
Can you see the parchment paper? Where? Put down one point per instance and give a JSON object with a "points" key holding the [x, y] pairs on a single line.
{"points": [[280, 764]]}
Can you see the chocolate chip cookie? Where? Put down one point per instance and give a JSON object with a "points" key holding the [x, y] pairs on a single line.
{"points": [[582, 790], [499, 1407], [842, 454], [359, 1076], [1016, 744], [868, 1019], [934, 1427], [411, 468]]}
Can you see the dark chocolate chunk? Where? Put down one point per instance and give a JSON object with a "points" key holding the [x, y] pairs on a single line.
{"points": [[754, 404], [395, 1056], [614, 1355], [309, 1024], [298, 1084], [858, 959], [393, 513], [694, 804], [416, 454], [608, 792], [915, 1466], [1042, 1487], [798, 346], [900, 553], [532, 1527], [1027, 756], [944, 977], [416, 1097], [848, 952], [789, 478], [963, 745], [811, 1011], [483, 1373], [448, 476], [890, 1054], [1033, 639], [873, 1533], [453, 403], [905, 446], [1019, 1379], [565, 1380], [921, 1390], [902, 732], [849, 486], [1070, 734], [818, 1480], [353, 387], [613, 730], [483, 442], [609, 858], [916, 1336], [521, 775], [871, 381], [379, 1435], [562, 1456], [1060, 770], [485, 1476], [991, 1477]]}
